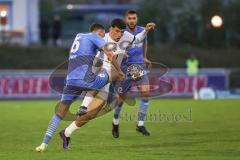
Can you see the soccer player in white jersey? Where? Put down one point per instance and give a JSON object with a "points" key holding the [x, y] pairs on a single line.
{"points": [[119, 40]]}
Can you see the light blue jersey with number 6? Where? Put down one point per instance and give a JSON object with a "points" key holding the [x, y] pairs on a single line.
{"points": [[86, 44], [83, 50]]}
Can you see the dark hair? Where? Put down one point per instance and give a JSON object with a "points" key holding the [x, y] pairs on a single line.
{"points": [[119, 23], [131, 12], [96, 26]]}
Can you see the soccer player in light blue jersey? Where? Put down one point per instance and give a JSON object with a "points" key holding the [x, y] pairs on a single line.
{"points": [[137, 54], [80, 76]]}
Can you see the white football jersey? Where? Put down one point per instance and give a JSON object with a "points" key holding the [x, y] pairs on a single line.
{"points": [[118, 48]]}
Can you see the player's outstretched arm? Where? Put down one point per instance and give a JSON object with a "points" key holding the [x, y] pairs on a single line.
{"points": [[142, 35]]}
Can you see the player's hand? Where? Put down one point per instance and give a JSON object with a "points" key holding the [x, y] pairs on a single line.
{"points": [[150, 26], [121, 76], [148, 63]]}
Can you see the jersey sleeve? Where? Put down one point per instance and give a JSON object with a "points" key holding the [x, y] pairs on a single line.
{"points": [[98, 41], [128, 37], [140, 37]]}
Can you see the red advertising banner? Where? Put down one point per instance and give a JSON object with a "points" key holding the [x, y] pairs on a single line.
{"points": [[35, 84], [24, 85], [184, 85]]}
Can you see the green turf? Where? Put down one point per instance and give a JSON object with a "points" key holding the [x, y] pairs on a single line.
{"points": [[199, 130]]}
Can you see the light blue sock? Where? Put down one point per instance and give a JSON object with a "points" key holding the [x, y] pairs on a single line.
{"points": [[117, 111], [51, 128], [143, 109]]}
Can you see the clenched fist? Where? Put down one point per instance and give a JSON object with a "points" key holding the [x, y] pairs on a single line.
{"points": [[150, 26]]}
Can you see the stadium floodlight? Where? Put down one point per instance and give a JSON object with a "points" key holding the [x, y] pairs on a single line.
{"points": [[69, 6], [3, 17], [3, 14], [217, 21]]}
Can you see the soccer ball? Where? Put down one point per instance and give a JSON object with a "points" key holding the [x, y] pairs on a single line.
{"points": [[135, 72]]}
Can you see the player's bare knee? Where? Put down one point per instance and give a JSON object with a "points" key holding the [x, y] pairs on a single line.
{"points": [[62, 109], [80, 120]]}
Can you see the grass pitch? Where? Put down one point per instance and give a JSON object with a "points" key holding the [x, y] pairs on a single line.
{"points": [[180, 129]]}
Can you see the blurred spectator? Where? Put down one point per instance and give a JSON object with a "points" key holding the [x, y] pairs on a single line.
{"points": [[192, 70], [57, 29], [44, 31], [192, 65]]}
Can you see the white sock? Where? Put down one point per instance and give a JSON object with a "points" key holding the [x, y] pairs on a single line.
{"points": [[44, 144], [140, 123], [115, 121], [87, 99], [70, 129]]}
